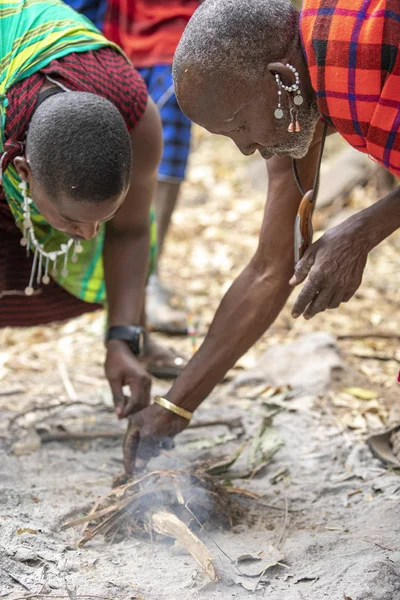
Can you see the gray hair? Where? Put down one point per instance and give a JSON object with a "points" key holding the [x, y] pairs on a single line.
{"points": [[237, 36]]}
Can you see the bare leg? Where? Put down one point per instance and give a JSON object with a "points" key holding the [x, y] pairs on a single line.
{"points": [[160, 312], [164, 203]]}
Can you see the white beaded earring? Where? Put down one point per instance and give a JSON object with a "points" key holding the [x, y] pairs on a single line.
{"points": [[297, 98]]}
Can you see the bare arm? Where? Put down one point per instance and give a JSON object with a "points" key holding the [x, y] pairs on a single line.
{"points": [[126, 259], [126, 248], [245, 313], [257, 296]]}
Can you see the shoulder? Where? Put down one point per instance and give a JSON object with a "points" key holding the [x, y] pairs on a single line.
{"points": [[119, 82]]}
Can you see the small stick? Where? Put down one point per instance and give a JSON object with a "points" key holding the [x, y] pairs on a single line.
{"points": [[63, 436], [362, 336], [55, 596], [12, 391], [231, 423], [233, 562], [38, 407], [376, 544], [67, 383], [376, 356], [285, 522]]}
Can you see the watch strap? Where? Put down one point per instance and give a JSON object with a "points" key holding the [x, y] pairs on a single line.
{"points": [[130, 334]]}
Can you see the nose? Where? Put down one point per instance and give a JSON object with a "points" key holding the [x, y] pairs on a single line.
{"points": [[87, 230], [247, 148]]}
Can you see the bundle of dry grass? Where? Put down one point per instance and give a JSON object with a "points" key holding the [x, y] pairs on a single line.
{"points": [[174, 503]]}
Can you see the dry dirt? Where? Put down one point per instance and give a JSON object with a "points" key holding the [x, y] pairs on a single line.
{"points": [[328, 505]]}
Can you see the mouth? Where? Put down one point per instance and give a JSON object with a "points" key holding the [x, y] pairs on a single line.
{"points": [[267, 153]]}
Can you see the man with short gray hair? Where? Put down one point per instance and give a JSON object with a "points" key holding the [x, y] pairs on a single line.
{"points": [[277, 81]]}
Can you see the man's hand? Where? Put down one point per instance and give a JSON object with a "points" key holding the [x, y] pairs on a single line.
{"points": [[148, 433], [333, 266], [121, 369]]}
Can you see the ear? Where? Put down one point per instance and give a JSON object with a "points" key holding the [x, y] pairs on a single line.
{"points": [[279, 68], [23, 169]]}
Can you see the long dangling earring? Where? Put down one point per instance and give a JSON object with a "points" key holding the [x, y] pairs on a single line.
{"points": [[294, 89], [278, 113]]}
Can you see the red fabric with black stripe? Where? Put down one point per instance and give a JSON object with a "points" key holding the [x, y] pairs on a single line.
{"points": [[106, 73], [353, 54]]}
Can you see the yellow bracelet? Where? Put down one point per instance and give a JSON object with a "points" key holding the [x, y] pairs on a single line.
{"points": [[182, 412]]}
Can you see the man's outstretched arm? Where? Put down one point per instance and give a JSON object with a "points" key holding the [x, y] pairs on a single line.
{"points": [[247, 310], [126, 260]]}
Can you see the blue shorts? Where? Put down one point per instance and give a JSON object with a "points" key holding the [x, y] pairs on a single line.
{"points": [[176, 126]]}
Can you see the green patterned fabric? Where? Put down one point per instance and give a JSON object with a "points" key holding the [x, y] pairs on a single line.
{"points": [[32, 34]]}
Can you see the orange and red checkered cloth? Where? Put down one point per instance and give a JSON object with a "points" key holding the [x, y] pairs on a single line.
{"points": [[353, 53]]}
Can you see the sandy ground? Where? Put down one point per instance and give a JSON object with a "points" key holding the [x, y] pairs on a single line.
{"points": [[329, 508], [327, 505]]}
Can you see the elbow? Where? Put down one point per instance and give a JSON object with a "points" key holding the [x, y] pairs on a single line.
{"points": [[277, 266]]}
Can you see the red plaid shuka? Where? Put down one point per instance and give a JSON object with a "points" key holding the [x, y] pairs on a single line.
{"points": [[106, 73], [353, 53]]}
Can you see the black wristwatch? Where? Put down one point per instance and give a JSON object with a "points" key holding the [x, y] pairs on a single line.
{"points": [[132, 335]]}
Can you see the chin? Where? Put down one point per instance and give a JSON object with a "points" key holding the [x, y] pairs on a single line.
{"points": [[299, 153]]}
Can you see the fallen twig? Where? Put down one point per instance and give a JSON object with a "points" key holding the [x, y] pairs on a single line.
{"points": [[210, 536], [63, 436], [55, 596], [363, 336], [231, 423], [375, 356], [44, 407], [378, 545], [67, 383], [12, 391], [285, 522]]}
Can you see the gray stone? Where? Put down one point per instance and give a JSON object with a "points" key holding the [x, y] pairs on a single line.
{"points": [[307, 364]]}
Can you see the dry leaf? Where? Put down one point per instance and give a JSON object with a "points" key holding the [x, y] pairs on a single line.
{"points": [[264, 445], [22, 530], [223, 465], [361, 393], [254, 565]]}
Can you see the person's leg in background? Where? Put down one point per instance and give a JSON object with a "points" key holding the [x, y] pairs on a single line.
{"points": [[163, 314]]}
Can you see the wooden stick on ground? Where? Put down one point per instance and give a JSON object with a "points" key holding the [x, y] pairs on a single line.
{"points": [[67, 383], [167, 523]]}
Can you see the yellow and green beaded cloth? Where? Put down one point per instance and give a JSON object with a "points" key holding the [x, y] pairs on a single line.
{"points": [[32, 34]]}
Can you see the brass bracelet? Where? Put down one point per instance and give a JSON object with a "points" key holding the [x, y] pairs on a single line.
{"points": [[182, 412]]}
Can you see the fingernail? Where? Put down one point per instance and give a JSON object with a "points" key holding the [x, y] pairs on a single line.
{"points": [[295, 315]]}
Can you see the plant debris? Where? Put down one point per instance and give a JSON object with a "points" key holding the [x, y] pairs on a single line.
{"points": [[158, 504]]}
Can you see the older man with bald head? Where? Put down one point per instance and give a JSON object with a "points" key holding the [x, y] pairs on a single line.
{"points": [[277, 81]]}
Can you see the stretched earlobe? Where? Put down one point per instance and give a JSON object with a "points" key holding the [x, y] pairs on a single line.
{"points": [[22, 167]]}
